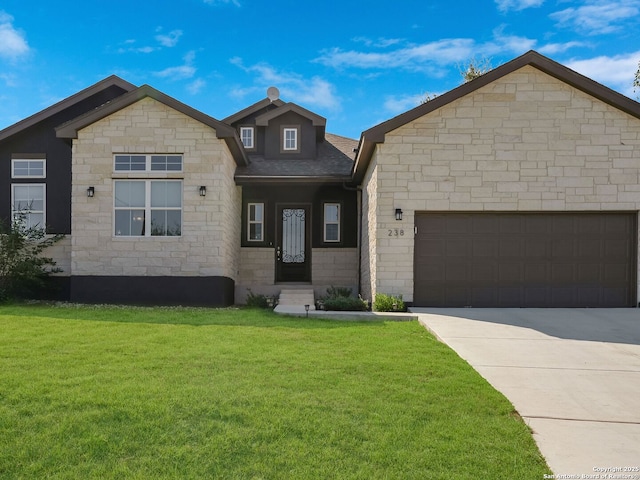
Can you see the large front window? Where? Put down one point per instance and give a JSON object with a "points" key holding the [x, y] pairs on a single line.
{"points": [[28, 204], [146, 208]]}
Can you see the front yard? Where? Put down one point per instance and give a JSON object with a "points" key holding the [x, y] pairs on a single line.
{"points": [[113, 392]]}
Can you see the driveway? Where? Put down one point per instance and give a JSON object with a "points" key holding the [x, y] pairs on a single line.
{"points": [[572, 374]]}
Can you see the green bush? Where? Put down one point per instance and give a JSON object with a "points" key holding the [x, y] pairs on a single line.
{"points": [[338, 292], [23, 269], [258, 300], [389, 303], [342, 303]]}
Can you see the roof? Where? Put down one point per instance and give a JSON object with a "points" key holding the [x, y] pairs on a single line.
{"points": [[251, 109], [108, 82], [223, 131], [333, 163], [376, 134]]}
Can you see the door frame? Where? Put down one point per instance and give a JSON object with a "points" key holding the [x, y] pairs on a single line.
{"points": [[281, 274]]}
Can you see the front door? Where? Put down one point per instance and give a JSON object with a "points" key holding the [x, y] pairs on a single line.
{"points": [[293, 262]]}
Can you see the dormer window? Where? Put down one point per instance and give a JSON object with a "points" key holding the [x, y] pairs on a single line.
{"points": [[290, 139], [247, 137]]}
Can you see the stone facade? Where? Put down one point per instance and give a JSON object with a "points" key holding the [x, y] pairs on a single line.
{"points": [[208, 245], [525, 142]]}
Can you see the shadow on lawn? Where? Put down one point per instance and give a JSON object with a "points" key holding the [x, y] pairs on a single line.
{"points": [[192, 316]]}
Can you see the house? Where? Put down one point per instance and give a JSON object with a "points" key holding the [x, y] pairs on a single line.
{"points": [[519, 188]]}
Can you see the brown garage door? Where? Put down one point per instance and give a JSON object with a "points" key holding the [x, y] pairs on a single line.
{"points": [[525, 259]]}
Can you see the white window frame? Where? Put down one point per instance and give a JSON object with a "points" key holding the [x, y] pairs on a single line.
{"points": [[148, 163], [28, 175], [296, 143], [148, 209], [333, 222], [251, 137], [255, 222], [28, 212]]}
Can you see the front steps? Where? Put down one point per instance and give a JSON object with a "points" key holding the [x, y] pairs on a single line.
{"points": [[296, 299]]}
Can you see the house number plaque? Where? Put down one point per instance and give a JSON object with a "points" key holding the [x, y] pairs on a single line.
{"points": [[396, 232]]}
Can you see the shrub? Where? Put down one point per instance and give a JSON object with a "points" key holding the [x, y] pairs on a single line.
{"points": [[342, 303], [338, 292], [258, 300], [389, 303], [23, 270]]}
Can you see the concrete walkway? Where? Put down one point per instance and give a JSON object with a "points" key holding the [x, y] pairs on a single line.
{"points": [[572, 374]]}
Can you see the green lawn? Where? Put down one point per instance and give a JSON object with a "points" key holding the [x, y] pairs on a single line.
{"points": [[112, 392]]}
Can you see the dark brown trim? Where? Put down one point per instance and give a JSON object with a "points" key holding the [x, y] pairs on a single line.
{"points": [[66, 103], [316, 120], [376, 134], [245, 112], [223, 131], [292, 179]]}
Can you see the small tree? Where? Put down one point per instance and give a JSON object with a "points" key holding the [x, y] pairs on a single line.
{"points": [[636, 80], [23, 270], [475, 68]]}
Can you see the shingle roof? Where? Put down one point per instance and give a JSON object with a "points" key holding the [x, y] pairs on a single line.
{"points": [[333, 163]]}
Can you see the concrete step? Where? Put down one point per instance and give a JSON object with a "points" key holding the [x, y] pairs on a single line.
{"points": [[299, 297]]}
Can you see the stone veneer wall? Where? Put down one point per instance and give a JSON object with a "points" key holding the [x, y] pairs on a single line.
{"points": [[210, 225], [369, 227], [526, 142], [330, 267]]}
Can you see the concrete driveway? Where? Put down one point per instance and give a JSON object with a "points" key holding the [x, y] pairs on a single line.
{"points": [[572, 374]]}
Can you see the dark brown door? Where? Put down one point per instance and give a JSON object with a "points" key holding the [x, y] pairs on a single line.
{"points": [[293, 262], [525, 259]]}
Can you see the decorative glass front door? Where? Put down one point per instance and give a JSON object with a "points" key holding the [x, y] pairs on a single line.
{"points": [[292, 251]]}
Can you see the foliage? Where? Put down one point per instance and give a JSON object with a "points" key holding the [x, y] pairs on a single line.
{"points": [[350, 304], [389, 303], [132, 393], [339, 298], [23, 269], [258, 300], [475, 68], [636, 80]]}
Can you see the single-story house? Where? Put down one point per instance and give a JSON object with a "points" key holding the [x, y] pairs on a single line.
{"points": [[518, 188]]}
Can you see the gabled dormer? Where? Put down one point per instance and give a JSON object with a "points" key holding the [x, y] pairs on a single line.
{"points": [[273, 129]]}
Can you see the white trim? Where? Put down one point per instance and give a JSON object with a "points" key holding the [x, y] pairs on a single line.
{"points": [[147, 208], [29, 211], [286, 130], [255, 222], [148, 162], [13, 167], [325, 223], [251, 137]]}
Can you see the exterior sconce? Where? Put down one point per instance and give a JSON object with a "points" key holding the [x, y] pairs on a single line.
{"points": [[203, 191], [398, 214], [91, 192]]}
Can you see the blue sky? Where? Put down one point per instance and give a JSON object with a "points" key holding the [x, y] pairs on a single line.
{"points": [[356, 63]]}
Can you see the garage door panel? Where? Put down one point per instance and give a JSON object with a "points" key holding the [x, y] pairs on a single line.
{"points": [[521, 259]]}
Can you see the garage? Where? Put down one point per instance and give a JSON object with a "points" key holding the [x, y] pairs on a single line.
{"points": [[525, 259]]}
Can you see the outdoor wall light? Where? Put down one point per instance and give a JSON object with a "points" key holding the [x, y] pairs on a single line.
{"points": [[203, 191], [398, 214], [91, 192]]}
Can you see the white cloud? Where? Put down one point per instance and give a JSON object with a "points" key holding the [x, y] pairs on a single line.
{"points": [[554, 48], [616, 72], [400, 104], [598, 16], [427, 57], [506, 5], [170, 39], [380, 42], [180, 72], [314, 91], [12, 42], [215, 3], [196, 86]]}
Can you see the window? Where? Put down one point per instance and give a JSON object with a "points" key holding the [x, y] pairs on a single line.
{"points": [[255, 222], [28, 203], [290, 139], [148, 163], [146, 208], [331, 222], [246, 135], [28, 168]]}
